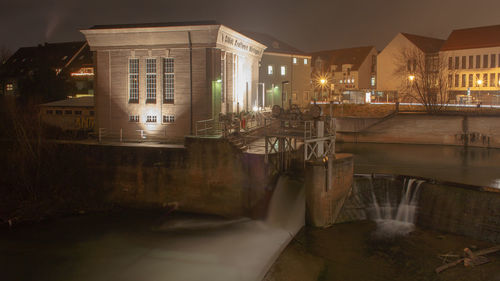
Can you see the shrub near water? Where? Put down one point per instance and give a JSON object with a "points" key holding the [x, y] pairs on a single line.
{"points": [[41, 179]]}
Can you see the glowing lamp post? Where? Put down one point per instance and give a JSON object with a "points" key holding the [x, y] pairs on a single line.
{"points": [[323, 81]]}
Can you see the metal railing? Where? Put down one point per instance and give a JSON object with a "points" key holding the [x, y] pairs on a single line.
{"points": [[122, 135], [209, 127]]}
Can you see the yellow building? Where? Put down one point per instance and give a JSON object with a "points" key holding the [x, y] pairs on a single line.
{"points": [[389, 82], [73, 114], [473, 57]]}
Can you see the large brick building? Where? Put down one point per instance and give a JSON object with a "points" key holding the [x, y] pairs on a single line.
{"points": [[164, 77]]}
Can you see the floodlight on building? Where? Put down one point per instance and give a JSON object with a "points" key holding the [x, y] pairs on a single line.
{"points": [[479, 82], [411, 77]]}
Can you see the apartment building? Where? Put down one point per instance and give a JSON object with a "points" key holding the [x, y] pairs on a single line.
{"points": [[284, 73], [344, 74], [473, 56]]}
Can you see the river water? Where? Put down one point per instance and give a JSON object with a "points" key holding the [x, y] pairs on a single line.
{"points": [[133, 245], [474, 166]]}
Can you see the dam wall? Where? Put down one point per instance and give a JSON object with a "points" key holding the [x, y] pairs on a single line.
{"points": [[448, 207]]}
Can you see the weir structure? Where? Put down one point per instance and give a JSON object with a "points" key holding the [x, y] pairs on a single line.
{"points": [[328, 176]]}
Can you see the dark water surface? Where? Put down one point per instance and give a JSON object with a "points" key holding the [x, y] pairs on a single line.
{"points": [[474, 166], [142, 246]]}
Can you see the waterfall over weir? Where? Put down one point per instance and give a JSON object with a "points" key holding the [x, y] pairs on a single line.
{"points": [[395, 218], [242, 249]]}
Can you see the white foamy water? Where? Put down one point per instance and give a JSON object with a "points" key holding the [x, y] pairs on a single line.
{"points": [[216, 249], [396, 219]]}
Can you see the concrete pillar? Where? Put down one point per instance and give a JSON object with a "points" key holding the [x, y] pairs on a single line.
{"points": [[320, 127], [327, 188]]}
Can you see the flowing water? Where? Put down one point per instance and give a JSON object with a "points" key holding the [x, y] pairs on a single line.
{"points": [[396, 218], [130, 246]]}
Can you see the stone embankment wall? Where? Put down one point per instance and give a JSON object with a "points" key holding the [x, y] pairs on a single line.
{"points": [[208, 176], [479, 131], [459, 209]]}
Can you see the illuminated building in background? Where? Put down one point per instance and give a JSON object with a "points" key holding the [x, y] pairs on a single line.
{"points": [[284, 70], [162, 78], [73, 114], [65, 59], [389, 61], [348, 73], [473, 57]]}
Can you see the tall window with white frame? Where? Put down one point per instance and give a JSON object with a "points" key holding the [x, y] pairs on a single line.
{"points": [[150, 80], [133, 77], [223, 78], [168, 80]]}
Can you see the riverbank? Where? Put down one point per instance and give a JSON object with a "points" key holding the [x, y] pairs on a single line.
{"points": [[349, 251]]}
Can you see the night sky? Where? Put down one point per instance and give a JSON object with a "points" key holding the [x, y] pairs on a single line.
{"points": [[307, 25]]}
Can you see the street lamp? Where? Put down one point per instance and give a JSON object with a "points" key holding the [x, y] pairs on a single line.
{"points": [[283, 93], [323, 81]]}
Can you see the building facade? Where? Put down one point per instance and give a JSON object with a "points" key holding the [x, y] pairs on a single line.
{"points": [[73, 114], [344, 74], [284, 73], [162, 78], [391, 59], [473, 57], [70, 61]]}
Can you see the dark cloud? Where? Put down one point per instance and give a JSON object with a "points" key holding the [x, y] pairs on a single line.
{"points": [[309, 25]]}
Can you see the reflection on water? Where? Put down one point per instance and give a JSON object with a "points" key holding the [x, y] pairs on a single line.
{"points": [[475, 166]]}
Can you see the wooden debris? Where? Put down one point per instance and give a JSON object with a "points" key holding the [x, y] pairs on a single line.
{"points": [[448, 265], [472, 259]]}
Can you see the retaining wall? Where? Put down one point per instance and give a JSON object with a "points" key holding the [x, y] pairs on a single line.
{"points": [[480, 131]]}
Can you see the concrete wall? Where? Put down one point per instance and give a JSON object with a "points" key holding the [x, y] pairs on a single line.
{"points": [[327, 188], [466, 211], [209, 176], [480, 131], [459, 209]]}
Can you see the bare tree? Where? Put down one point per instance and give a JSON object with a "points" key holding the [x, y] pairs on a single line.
{"points": [[5, 54], [424, 78]]}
